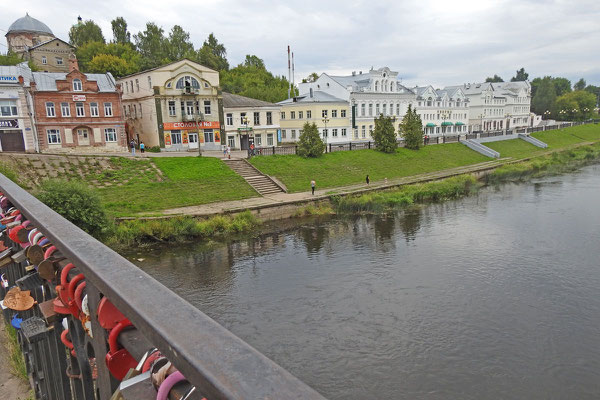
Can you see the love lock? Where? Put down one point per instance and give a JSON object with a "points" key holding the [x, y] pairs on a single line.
{"points": [[119, 361], [108, 315], [72, 304], [67, 342]]}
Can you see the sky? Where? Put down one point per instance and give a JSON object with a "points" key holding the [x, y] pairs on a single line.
{"points": [[427, 41]]}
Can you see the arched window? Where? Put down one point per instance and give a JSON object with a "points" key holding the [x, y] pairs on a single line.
{"points": [[77, 87], [376, 85], [392, 87], [187, 82], [429, 102]]}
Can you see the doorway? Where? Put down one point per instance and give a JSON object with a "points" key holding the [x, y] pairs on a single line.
{"points": [[12, 140], [83, 137]]}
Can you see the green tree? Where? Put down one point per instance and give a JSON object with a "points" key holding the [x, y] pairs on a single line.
{"points": [[495, 78], [88, 31], [213, 54], [562, 85], [521, 76], [179, 45], [580, 85], [575, 106], [384, 135], [108, 63], [152, 45], [544, 97], [412, 129], [253, 61], [120, 32], [10, 59], [311, 78], [125, 52], [310, 143]]}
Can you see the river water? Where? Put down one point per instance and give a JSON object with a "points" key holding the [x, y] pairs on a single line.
{"points": [[493, 296]]}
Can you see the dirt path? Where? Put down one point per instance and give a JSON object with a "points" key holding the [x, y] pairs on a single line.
{"points": [[11, 386]]}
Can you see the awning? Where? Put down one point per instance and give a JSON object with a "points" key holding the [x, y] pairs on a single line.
{"points": [[459, 123], [446, 123], [430, 125]]}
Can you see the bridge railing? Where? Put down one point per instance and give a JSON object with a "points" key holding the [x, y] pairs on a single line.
{"points": [[211, 358]]}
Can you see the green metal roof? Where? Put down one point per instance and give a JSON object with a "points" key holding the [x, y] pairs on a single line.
{"points": [[446, 123], [430, 124]]}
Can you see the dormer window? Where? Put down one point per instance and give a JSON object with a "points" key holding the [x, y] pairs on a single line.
{"points": [[187, 83], [77, 87]]}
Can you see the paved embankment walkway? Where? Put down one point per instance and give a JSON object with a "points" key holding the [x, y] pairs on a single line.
{"points": [[294, 198], [11, 386]]}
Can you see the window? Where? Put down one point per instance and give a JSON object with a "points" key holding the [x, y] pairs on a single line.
{"points": [[397, 109], [65, 110], [243, 119], [370, 130], [230, 119], [135, 111], [293, 134], [356, 134], [258, 139], [108, 112], [283, 115], [129, 110], [59, 61], [149, 82], [324, 113], [80, 111], [283, 134], [94, 109], [364, 132], [206, 85], [256, 118], [334, 132], [141, 113], [377, 109], [344, 132], [131, 83], [77, 87], [53, 136], [187, 83], [172, 109], [124, 111], [8, 108], [384, 109], [110, 135], [362, 109], [231, 141], [207, 107], [208, 136], [309, 114], [269, 139], [137, 84], [333, 113], [189, 107], [300, 114], [370, 110], [343, 113], [44, 60], [292, 114], [176, 137], [50, 110], [324, 133], [269, 118]]}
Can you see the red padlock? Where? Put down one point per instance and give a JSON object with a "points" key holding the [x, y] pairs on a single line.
{"points": [[79, 296], [67, 342], [108, 315], [62, 289], [72, 304], [119, 361]]}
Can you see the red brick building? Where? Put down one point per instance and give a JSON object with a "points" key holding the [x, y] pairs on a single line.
{"points": [[78, 112]]}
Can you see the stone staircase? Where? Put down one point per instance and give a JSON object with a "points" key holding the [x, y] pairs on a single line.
{"points": [[260, 182]]}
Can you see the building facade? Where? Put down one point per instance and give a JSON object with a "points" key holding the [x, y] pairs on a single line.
{"points": [[443, 111], [78, 112], [250, 121], [17, 129], [329, 113], [176, 106], [51, 56]]}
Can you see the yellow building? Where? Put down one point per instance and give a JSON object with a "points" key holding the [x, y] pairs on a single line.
{"points": [[332, 116]]}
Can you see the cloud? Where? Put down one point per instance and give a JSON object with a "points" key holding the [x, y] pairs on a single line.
{"points": [[428, 41]]}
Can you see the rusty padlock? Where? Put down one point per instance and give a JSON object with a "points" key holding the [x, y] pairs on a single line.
{"points": [[108, 315], [119, 361]]}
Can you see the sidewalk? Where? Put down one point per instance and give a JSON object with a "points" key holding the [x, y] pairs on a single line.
{"points": [[301, 197], [11, 386]]}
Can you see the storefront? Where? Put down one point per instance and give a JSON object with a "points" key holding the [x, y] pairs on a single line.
{"points": [[11, 137], [182, 136]]}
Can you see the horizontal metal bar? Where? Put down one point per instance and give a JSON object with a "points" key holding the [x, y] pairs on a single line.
{"points": [[218, 363]]}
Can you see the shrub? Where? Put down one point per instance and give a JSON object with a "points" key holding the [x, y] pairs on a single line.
{"points": [[153, 149], [310, 144], [76, 202], [384, 135]]}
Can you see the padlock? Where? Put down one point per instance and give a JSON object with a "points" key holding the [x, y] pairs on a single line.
{"points": [[67, 342], [108, 315], [72, 304], [119, 361], [64, 283]]}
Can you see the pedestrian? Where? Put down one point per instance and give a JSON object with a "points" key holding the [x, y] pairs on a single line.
{"points": [[252, 149], [228, 151], [312, 186], [132, 145], [142, 147], [224, 151], [367, 179]]}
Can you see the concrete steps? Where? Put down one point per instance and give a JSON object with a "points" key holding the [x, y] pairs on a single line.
{"points": [[259, 182]]}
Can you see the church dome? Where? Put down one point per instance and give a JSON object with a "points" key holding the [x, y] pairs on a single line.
{"points": [[28, 24]]}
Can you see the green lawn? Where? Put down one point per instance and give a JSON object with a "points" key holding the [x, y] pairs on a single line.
{"points": [[515, 148], [350, 167], [569, 136], [186, 181]]}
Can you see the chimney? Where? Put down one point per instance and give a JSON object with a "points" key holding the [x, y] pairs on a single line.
{"points": [[73, 65], [353, 73], [311, 92], [360, 73]]}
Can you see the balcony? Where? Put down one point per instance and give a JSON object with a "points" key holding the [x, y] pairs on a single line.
{"points": [[190, 91]]}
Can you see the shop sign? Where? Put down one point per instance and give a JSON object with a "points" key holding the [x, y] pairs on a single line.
{"points": [[9, 79], [279, 135], [9, 123], [79, 97], [191, 125]]}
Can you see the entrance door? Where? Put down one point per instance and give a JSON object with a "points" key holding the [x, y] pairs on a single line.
{"points": [[244, 142], [193, 140], [83, 137], [12, 140]]}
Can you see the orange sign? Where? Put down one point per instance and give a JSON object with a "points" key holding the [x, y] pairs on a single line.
{"points": [[168, 126], [168, 139]]}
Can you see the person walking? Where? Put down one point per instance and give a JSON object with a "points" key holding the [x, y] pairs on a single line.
{"points": [[142, 147], [229, 152], [367, 179], [132, 145], [312, 186]]}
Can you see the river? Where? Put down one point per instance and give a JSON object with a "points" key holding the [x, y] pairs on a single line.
{"points": [[496, 295]]}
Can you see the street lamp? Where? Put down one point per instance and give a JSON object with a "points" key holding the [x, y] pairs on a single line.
{"points": [[445, 114], [326, 133], [245, 122], [547, 114], [562, 113]]}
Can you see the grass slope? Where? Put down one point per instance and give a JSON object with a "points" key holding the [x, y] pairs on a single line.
{"points": [[187, 181], [350, 167], [515, 148]]}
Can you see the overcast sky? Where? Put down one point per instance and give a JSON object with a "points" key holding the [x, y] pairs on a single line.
{"points": [[427, 41]]}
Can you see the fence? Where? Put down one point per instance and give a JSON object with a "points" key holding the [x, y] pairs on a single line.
{"points": [[99, 292]]}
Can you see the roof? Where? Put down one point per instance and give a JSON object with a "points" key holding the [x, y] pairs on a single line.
{"points": [[317, 97], [29, 24], [17, 70], [51, 40], [235, 100], [166, 65], [46, 81]]}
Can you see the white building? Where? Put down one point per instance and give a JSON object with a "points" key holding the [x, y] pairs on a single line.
{"points": [[17, 128], [442, 111]]}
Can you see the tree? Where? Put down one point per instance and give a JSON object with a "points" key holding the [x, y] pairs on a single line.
{"points": [[213, 54], [580, 85], [384, 135], [88, 31], [87, 52], [544, 97], [412, 129], [310, 143], [152, 45], [562, 85], [494, 79], [521, 76], [120, 32], [254, 62], [311, 78], [10, 58], [575, 106], [108, 63], [178, 44]]}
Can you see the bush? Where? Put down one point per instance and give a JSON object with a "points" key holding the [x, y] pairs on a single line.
{"points": [[310, 144], [77, 203], [153, 149]]}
